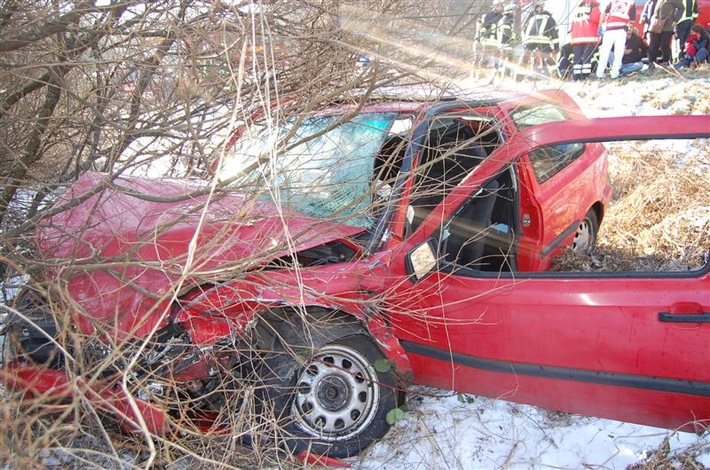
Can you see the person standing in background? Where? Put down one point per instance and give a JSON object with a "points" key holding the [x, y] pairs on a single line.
{"points": [[585, 37], [615, 19], [488, 36], [684, 23], [646, 14], [660, 31], [506, 36], [506, 27], [540, 37]]}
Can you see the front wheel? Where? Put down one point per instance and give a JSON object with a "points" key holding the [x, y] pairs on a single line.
{"points": [[335, 403]]}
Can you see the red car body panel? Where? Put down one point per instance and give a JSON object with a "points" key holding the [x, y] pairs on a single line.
{"points": [[703, 13], [524, 338], [560, 200], [156, 233]]}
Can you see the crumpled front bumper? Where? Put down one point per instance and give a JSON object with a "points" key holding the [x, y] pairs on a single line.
{"points": [[131, 413]]}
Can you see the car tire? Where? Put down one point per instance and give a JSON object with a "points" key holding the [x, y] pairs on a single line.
{"points": [[586, 236], [331, 401]]}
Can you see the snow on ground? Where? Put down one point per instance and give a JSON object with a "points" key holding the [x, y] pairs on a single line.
{"points": [[444, 430], [663, 94]]}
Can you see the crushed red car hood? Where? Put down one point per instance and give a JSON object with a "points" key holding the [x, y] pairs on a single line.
{"points": [[130, 241]]}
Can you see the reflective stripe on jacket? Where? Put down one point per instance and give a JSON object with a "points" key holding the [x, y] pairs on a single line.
{"points": [[489, 28], [690, 11], [506, 34], [541, 29]]}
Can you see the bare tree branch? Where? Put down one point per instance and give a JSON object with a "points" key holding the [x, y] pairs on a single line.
{"points": [[36, 33]]}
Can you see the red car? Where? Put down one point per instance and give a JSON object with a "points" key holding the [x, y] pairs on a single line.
{"points": [[393, 243]]}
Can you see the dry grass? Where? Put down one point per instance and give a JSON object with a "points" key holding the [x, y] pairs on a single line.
{"points": [[662, 458], [40, 433], [659, 219]]}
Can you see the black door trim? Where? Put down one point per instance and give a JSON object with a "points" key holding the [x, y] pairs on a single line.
{"points": [[559, 239], [657, 384]]}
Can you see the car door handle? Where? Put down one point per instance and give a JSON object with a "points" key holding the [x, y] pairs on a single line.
{"points": [[684, 317]]}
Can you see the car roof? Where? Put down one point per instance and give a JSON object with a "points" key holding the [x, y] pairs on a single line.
{"points": [[430, 93], [417, 98]]}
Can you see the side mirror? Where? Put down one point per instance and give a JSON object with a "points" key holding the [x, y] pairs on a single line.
{"points": [[421, 260]]}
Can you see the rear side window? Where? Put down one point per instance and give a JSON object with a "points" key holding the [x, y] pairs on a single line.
{"points": [[549, 160], [527, 116]]}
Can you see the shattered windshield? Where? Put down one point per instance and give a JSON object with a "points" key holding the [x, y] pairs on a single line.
{"points": [[323, 168]]}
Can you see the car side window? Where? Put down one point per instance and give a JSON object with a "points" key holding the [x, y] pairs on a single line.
{"points": [[533, 115], [549, 160]]}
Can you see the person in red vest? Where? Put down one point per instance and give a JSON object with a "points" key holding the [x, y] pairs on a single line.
{"points": [[615, 19], [585, 37]]}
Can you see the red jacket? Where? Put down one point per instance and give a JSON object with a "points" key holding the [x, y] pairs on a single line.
{"points": [[585, 23], [689, 44]]}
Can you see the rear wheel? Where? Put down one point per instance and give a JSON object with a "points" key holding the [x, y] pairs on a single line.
{"points": [[332, 401], [586, 236]]}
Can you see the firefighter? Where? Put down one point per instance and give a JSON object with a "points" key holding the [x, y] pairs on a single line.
{"points": [[684, 23], [506, 33], [488, 36], [540, 40]]}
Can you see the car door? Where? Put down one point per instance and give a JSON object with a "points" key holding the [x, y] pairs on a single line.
{"points": [[628, 346]]}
